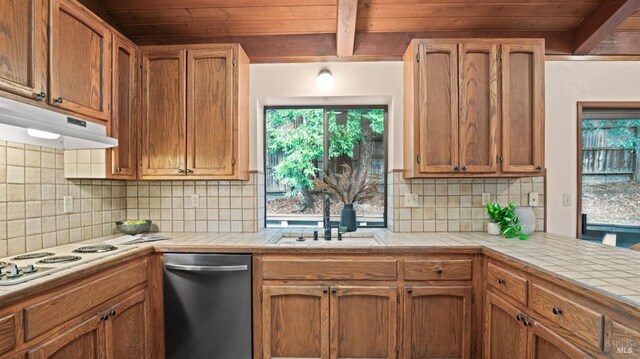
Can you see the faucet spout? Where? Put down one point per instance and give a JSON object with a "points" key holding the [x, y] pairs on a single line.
{"points": [[326, 217]]}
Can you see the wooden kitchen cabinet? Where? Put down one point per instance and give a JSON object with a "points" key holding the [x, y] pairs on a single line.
{"points": [[80, 65], [295, 321], [83, 341], [473, 108], [128, 330], [505, 332], [163, 128], [195, 112], [437, 322], [545, 344], [122, 160], [23, 30], [522, 107], [363, 322]]}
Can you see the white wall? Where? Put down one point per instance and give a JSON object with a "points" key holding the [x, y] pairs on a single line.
{"points": [[366, 83], [567, 83]]}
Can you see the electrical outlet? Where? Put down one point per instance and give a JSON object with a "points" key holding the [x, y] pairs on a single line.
{"points": [[486, 198], [566, 199], [67, 204], [411, 200], [533, 199], [195, 200]]}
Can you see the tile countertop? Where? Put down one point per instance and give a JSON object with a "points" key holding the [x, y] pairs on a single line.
{"points": [[610, 271]]}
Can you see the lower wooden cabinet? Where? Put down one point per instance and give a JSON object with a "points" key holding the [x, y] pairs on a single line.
{"points": [[329, 322], [295, 322], [83, 341], [505, 335], [120, 331], [437, 322], [542, 343]]}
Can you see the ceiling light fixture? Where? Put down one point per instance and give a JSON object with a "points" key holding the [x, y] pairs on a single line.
{"points": [[325, 80], [42, 134]]}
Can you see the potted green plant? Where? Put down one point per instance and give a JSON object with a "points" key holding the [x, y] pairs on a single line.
{"points": [[350, 186], [504, 221]]}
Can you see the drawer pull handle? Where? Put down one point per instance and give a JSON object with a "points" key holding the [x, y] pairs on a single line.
{"points": [[334, 291], [519, 317], [438, 270], [502, 281], [325, 291], [58, 100], [556, 311], [112, 313], [409, 291]]}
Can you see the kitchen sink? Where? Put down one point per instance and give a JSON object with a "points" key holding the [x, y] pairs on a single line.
{"points": [[305, 239]]}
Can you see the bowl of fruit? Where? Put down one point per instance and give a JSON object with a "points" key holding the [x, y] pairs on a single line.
{"points": [[134, 227]]}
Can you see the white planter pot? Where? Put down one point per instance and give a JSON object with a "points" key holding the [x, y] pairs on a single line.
{"points": [[527, 219], [493, 229]]}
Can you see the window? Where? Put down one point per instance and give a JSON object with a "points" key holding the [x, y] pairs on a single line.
{"points": [[609, 175], [302, 143]]}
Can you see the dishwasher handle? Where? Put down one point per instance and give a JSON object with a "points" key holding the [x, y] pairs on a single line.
{"points": [[210, 269]]}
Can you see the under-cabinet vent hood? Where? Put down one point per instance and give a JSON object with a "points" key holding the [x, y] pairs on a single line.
{"points": [[32, 125]]}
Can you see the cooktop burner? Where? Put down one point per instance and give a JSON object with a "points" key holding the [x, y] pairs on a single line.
{"points": [[5, 265], [32, 256], [59, 259], [98, 248]]}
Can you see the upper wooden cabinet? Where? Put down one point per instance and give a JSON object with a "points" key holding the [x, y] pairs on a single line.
{"points": [[79, 61], [122, 160], [195, 113], [473, 108], [23, 47]]}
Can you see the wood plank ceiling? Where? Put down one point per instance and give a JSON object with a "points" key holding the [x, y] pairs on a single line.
{"points": [[307, 28]]}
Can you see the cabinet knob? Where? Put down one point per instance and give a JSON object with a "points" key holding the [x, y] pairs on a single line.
{"points": [[119, 169], [58, 100], [189, 171], [409, 290], [334, 291], [519, 317], [41, 95], [112, 313], [502, 281], [455, 168], [439, 270], [539, 168], [180, 170], [464, 168], [325, 291], [556, 311]]}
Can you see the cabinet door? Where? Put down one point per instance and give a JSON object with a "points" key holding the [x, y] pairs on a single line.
{"points": [[211, 124], [545, 344], [122, 159], [80, 61], [478, 107], [505, 335], [522, 108], [83, 341], [437, 322], [163, 140], [127, 329], [295, 322], [364, 322], [23, 47], [438, 108]]}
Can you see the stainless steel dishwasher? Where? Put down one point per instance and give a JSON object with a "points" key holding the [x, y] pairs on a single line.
{"points": [[207, 300]]}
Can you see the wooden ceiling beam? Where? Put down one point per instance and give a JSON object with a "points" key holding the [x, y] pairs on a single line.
{"points": [[602, 21], [346, 27], [367, 46]]}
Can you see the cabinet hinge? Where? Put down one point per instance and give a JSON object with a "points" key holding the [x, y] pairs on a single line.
{"points": [[499, 56], [473, 297], [398, 297], [234, 61], [418, 57], [233, 161], [261, 353], [418, 158], [260, 297]]}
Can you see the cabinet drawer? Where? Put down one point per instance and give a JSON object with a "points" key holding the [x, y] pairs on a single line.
{"points": [[332, 269], [444, 269], [567, 313], [76, 300], [8, 333], [507, 282]]}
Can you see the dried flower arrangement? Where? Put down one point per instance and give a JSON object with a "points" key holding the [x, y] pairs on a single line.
{"points": [[350, 186]]}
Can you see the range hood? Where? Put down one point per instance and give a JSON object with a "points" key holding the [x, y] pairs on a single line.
{"points": [[33, 125]]}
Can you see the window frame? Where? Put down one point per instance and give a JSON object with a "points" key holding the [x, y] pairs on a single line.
{"points": [[326, 108]]}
